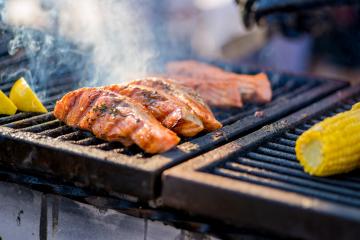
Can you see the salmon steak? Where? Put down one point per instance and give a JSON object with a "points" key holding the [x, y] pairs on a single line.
{"points": [[219, 87], [166, 108], [184, 95], [114, 117]]}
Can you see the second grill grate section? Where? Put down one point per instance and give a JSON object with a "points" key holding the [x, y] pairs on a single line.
{"points": [[274, 164]]}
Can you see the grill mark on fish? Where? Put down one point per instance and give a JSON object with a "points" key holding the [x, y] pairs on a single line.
{"points": [[68, 108], [165, 108], [185, 95], [88, 107]]}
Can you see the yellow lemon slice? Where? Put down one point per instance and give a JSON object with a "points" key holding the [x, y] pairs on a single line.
{"points": [[25, 99], [7, 107]]}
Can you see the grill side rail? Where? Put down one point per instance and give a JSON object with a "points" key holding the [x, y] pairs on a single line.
{"points": [[255, 182]]}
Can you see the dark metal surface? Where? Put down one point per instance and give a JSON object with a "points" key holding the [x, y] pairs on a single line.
{"points": [[263, 7], [43, 145], [254, 10], [296, 5], [256, 182]]}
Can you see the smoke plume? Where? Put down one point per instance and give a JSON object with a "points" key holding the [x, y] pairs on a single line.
{"points": [[106, 41]]}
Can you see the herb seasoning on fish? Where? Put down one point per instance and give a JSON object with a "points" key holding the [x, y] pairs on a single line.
{"points": [[102, 108]]}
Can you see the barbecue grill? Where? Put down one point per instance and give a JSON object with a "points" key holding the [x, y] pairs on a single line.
{"points": [[43, 144], [242, 177]]}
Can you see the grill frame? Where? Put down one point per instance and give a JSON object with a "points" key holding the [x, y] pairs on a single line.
{"points": [[132, 175], [189, 187]]}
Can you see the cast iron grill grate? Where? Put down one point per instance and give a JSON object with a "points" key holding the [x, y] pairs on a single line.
{"points": [[45, 124]]}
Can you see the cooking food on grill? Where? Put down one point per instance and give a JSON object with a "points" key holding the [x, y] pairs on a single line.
{"points": [[215, 93], [114, 117], [331, 146], [24, 98], [184, 95], [7, 107], [221, 88], [166, 108]]}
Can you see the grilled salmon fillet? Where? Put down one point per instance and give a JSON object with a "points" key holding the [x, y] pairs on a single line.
{"points": [[215, 93], [185, 95], [218, 87], [260, 83], [114, 117], [166, 108]]}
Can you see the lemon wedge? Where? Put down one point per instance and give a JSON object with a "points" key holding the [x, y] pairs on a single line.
{"points": [[7, 107], [25, 99]]}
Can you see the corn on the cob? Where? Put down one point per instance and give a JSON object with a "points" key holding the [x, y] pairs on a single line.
{"points": [[331, 146]]}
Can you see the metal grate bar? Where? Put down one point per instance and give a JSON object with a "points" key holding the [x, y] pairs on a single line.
{"points": [[6, 87], [291, 137], [57, 131], [73, 136], [269, 159], [18, 60], [314, 121], [55, 91], [282, 182], [279, 92], [299, 131], [275, 153], [51, 100], [31, 121], [280, 147], [17, 117], [287, 142], [42, 127], [306, 125]]}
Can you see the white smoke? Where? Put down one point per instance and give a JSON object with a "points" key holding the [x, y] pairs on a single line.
{"points": [[113, 32]]}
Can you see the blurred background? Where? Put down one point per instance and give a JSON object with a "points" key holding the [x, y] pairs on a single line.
{"points": [[128, 38], [325, 41]]}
